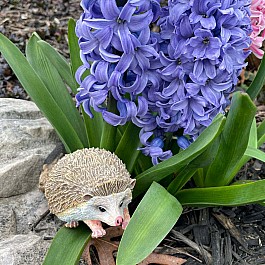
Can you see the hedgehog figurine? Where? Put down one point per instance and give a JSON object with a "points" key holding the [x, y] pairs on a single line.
{"points": [[90, 185]]}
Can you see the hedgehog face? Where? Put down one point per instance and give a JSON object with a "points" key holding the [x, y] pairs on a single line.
{"points": [[107, 208]]}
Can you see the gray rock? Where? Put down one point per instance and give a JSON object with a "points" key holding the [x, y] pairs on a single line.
{"points": [[26, 139], [23, 250], [18, 243], [27, 209], [7, 221]]}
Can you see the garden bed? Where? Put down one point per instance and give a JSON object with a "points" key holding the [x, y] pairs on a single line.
{"points": [[230, 235]]}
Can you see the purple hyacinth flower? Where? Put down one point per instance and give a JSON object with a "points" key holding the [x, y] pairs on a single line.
{"points": [[174, 80], [121, 22], [153, 148], [204, 45], [177, 8], [203, 11]]}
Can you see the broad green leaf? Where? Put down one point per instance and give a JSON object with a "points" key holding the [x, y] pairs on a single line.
{"points": [[195, 169], [255, 153], [143, 163], [261, 133], [120, 131], [109, 132], [59, 62], [198, 178], [54, 83], [68, 245], [154, 217], [252, 141], [40, 94], [181, 179], [233, 140], [94, 127], [234, 195], [74, 49], [258, 82], [108, 137], [176, 162], [253, 135], [127, 147]]}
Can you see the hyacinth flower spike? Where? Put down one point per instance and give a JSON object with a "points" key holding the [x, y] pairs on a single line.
{"points": [[173, 81]]}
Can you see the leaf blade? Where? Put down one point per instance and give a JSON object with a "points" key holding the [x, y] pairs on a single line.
{"points": [[59, 62], [67, 246], [39, 94], [127, 147], [74, 49], [139, 239], [173, 164], [55, 85], [235, 195], [255, 153], [258, 82], [233, 142], [109, 132]]}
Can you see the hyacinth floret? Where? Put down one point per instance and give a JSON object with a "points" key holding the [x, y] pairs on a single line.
{"points": [[169, 69]]}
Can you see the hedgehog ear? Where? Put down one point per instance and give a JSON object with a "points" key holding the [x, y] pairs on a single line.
{"points": [[132, 184], [87, 197]]}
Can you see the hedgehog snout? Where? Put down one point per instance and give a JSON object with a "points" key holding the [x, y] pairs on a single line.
{"points": [[118, 221]]}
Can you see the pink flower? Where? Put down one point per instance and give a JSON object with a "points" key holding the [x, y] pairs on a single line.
{"points": [[258, 25]]}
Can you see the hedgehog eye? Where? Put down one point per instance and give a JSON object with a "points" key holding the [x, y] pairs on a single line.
{"points": [[121, 204], [102, 209]]}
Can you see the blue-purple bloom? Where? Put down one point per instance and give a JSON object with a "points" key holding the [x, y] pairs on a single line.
{"points": [[168, 82]]}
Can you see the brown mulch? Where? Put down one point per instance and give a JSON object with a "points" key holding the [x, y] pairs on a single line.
{"points": [[222, 235], [19, 19]]}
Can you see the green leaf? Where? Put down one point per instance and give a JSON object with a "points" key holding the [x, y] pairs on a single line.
{"points": [[59, 62], [68, 245], [234, 195], [181, 179], [40, 94], [255, 153], [143, 163], [233, 140], [258, 82], [54, 83], [109, 132], [176, 162], [261, 133], [94, 127], [74, 49], [252, 141], [195, 169], [151, 222], [127, 147]]}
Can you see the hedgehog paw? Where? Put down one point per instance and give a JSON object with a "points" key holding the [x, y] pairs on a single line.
{"points": [[72, 224], [96, 228], [98, 233]]}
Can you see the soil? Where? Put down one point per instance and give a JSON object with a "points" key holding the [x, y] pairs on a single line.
{"points": [[226, 235]]}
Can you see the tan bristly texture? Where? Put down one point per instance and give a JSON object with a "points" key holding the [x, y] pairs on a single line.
{"points": [[92, 171]]}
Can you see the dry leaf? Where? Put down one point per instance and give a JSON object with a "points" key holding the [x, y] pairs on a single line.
{"points": [[162, 259], [106, 247]]}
